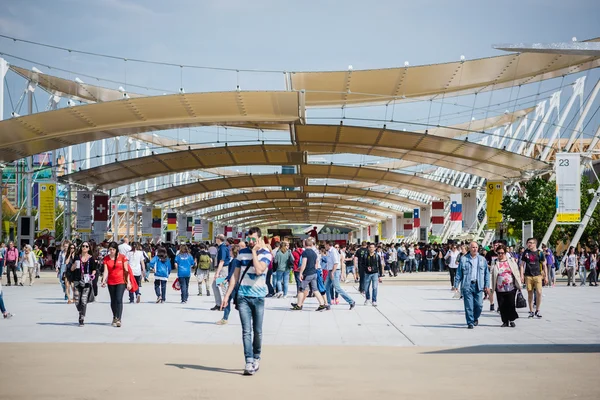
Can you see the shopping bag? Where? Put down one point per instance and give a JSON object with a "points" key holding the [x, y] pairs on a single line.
{"points": [[176, 285], [521, 302]]}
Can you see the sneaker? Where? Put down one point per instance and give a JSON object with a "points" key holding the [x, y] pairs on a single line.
{"points": [[504, 325], [327, 307], [279, 295], [374, 304], [249, 369], [531, 314], [352, 306], [118, 324], [158, 300], [199, 293], [256, 365], [470, 327], [538, 314], [138, 298], [8, 315], [114, 322], [80, 321], [367, 302], [321, 308], [492, 307], [296, 307], [222, 322], [207, 293], [512, 324]]}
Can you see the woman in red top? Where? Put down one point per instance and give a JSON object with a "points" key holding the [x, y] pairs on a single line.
{"points": [[118, 279]]}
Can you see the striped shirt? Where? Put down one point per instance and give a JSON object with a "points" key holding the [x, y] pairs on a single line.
{"points": [[253, 285]]}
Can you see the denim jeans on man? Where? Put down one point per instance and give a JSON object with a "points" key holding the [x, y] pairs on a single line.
{"points": [[334, 280], [473, 300], [184, 284], [251, 311], [371, 279], [429, 265]]}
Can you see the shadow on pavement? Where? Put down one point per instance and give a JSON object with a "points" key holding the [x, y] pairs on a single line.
{"points": [[522, 349], [73, 323], [205, 368]]}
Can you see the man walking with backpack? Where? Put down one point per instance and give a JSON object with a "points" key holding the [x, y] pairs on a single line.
{"points": [[204, 262], [535, 271]]}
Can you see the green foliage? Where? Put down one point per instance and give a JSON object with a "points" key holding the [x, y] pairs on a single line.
{"points": [[537, 201]]}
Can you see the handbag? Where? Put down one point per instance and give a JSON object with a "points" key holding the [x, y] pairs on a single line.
{"points": [[176, 285], [521, 302]]}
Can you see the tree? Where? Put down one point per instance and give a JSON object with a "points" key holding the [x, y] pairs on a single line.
{"points": [[537, 201]]}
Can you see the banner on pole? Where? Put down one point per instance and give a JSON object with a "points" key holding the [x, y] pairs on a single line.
{"points": [[100, 217], [197, 229], [494, 191], [568, 188], [469, 209], [146, 221], [425, 216], [456, 214], [181, 227], [437, 218], [407, 222], [84, 212], [47, 210], [157, 222], [171, 221]]}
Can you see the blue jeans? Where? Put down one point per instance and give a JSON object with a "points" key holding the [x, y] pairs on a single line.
{"points": [[473, 300], [282, 281], [160, 288], [252, 310], [184, 283], [227, 310], [429, 265], [138, 280], [2, 308], [333, 279], [371, 279], [297, 279]]}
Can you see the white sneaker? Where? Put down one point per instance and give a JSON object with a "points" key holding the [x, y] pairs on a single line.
{"points": [[279, 295], [367, 302], [374, 304], [249, 370], [256, 365]]}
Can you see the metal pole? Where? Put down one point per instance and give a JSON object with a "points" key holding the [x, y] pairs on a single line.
{"points": [[135, 221]]}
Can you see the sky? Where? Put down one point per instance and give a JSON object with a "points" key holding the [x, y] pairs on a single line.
{"points": [[278, 35]]}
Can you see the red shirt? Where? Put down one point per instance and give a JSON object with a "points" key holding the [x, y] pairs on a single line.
{"points": [[115, 272]]}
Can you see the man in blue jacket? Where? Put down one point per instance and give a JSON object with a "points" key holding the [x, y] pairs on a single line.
{"points": [[474, 277]]}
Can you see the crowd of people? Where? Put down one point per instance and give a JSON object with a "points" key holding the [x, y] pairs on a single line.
{"points": [[246, 272]]}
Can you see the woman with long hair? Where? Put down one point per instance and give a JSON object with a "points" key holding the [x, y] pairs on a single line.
{"points": [[583, 257], [506, 280], [83, 272], [138, 267], [117, 277], [161, 266], [572, 264], [68, 263], [593, 265]]}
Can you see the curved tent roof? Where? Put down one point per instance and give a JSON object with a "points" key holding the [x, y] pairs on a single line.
{"points": [[342, 88], [477, 159], [308, 216], [45, 131]]}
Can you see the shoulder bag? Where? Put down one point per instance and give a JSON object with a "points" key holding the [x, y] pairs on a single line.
{"points": [[520, 302], [237, 287]]}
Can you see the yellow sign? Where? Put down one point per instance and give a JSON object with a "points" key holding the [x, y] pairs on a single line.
{"points": [[568, 217], [210, 231], [47, 201], [495, 191]]}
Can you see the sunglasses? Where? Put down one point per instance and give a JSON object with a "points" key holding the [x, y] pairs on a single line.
{"points": [[85, 246], [500, 252]]}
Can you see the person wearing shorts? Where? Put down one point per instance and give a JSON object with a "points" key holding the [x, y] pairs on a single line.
{"points": [[308, 278], [534, 273]]}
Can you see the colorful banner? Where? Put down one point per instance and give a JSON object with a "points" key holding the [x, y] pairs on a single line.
{"points": [[469, 209], [417, 218], [157, 222], [456, 213], [568, 188], [197, 229], [100, 217], [147, 221], [190, 227], [47, 209], [437, 218], [494, 191], [84, 212], [407, 224], [228, 231], [171, 221]]}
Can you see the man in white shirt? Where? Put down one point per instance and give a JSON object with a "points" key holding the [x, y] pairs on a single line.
{"points": [[124, 247]]}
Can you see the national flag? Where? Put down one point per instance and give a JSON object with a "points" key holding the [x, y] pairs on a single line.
{"points": [[171, 221], [417, 218], [197, 227], [100, 208], [228, 231], [437, 217], [455, 211]]}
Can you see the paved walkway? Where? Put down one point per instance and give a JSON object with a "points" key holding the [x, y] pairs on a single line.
{"points": [[415, 337]]}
